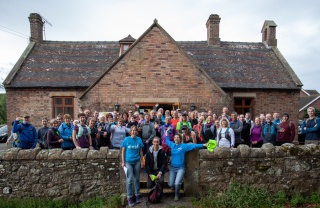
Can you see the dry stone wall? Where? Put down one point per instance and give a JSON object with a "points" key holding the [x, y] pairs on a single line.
{"points": [[57, 174], [290, 167], [82, 174]]}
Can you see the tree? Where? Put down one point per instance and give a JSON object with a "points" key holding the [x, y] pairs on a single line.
{"points": [[3, 112], [306, 113]]}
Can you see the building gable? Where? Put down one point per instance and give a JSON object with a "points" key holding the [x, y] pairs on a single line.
{"points": [[154, 67]]}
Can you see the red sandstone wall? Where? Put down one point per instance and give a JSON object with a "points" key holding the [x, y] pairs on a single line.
{"points": [[154, 68]]}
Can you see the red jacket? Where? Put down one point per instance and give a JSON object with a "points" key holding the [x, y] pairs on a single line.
{"points": [[289, 132]]}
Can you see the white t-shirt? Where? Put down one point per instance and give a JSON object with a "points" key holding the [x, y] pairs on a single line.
{"points": [[222, 140]]}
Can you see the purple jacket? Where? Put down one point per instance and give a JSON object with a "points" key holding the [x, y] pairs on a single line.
{"points": [[163, 130], [256, 134]]}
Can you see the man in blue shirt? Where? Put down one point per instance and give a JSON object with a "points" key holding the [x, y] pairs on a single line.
{"points": [[28, 136], [310, 127]]}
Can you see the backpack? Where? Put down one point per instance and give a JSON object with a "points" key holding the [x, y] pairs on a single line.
{"points": [[45, 138], [80, 132], [155, 194], [228, 137]]}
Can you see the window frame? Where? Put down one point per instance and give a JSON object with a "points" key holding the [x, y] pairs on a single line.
{"points": [[63, 105], [243, 106]]}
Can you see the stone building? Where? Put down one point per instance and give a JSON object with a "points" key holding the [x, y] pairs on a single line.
{"points": [[54, 77]]}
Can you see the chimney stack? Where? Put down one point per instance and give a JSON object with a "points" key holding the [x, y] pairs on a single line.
{"points": [[213, 30], [269, 33], [36, 27]]}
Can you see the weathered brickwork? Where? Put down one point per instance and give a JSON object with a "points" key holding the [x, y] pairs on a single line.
{"points": [[155, 68], [270, 101], [36, 102], [67, 175]]}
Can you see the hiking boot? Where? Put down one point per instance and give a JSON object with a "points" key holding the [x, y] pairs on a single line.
{"points": [[138, 201], [130, 202], [176, 198]]}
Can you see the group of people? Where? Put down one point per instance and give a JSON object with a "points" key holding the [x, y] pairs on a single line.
{"points": [[154, 139]]}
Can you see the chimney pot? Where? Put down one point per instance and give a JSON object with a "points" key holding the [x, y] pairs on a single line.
{"points": [[36, 27], [212, 24]]}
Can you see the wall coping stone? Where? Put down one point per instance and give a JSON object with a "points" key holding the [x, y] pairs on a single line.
{"points": [[113, 154], [94, 154], [11, 154], [43, 155], [80, 154], [66, 155], [54, 154], [28, 154], [245, 150], [103, 151], [1, 154], [269, 149]]}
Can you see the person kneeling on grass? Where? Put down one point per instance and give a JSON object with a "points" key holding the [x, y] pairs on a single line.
{"points": [[178, 169], [156, 163], [132, 159]]}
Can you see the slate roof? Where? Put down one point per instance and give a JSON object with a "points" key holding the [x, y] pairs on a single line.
{"points": [[306, 101], [240, 65], [65, 64], [80, 64], [312, 92]]}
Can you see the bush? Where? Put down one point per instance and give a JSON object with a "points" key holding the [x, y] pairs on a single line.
{"points": [[237, 196], [281, 198], [297, 200], [247, 196], [112, 201], [315, 198]]}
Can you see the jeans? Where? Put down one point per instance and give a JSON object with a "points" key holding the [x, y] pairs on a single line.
{"points": [[176, 177], [133, 174]]}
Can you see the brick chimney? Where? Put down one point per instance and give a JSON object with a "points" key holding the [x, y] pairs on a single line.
{"points": [[269, 33], [213, 30], [36, 27]]}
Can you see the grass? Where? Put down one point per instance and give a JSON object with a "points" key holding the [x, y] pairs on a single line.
{"points": [[243, 196], [236, 196], [111, 202]]}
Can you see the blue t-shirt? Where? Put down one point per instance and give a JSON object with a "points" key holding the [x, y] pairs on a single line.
{"points": [[178, 152], [132, 146]]}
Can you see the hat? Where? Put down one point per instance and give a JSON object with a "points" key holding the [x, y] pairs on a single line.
{"points": [[184, 127], [184, 114], [178, 109], [26, 115]]}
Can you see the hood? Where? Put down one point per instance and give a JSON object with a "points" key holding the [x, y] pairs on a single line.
{"points": [[151, 148]]}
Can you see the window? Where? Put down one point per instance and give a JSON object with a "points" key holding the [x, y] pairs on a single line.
{"points": [[243, 105], [63, 105], [125, 48]]}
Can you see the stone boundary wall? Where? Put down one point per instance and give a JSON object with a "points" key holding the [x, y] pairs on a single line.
{"points": [[68, 175], [290, 167], [82, 174]]}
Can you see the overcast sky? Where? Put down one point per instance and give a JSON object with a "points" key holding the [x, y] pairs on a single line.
{"points": [[298, 31]]}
